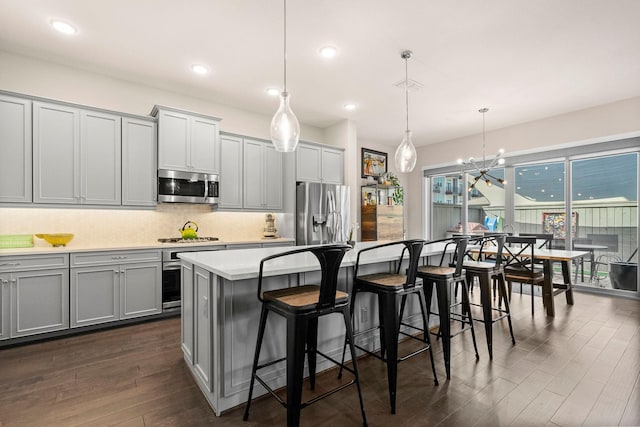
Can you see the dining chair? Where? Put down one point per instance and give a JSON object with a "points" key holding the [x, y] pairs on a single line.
{"points": [[521, 266]]}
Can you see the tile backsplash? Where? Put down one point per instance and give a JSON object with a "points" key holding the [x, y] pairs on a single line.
{"points": [[121, 227]]}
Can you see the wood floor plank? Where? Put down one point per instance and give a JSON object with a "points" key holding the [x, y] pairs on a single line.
{"points": [[581, 367]]}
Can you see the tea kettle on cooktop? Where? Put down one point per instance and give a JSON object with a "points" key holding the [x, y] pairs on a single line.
{"points": [[189, 230]]}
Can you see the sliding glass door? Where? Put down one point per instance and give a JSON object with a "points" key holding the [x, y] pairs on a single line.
{"points": [[605, 198]]}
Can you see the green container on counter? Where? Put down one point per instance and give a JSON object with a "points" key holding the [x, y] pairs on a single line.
{"points": [[16, 241]]}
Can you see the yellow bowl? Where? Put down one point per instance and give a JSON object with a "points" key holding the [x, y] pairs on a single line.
{"points": [[56, 239]]}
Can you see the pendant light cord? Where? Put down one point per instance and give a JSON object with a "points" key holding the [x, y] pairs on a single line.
{"points": [[285, 46], [406, 87]]}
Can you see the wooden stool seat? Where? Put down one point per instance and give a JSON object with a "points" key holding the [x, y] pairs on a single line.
{"points": [[385, 279], [301, 298]]}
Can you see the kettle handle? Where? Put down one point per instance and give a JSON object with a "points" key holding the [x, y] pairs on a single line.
{"points": [[187, 223]]}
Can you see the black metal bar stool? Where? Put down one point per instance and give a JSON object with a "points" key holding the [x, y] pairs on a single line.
{"points": [[443, 276], [488, 271], [301, 306], [392, 289]]}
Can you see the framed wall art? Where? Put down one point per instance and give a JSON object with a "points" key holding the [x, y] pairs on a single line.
{"points": [[374, 163]]}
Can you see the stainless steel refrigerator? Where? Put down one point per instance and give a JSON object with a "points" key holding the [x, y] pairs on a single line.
{"points": [[322, 213]]}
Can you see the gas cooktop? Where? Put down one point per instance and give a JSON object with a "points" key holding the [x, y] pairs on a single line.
{"points": [[181, 240]]}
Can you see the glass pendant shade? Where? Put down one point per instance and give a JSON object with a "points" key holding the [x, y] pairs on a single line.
{"points": [[285, 129], [406, 154]]}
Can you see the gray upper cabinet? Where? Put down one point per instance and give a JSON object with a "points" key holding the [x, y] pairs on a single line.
{"points": [[77, 157], [15, 150], [263, 176], [100, 158], [315, 163], [251, 174], [187, 142], [139, 162], [308, 163], [230, 172], [332, 165], [56, 153]]}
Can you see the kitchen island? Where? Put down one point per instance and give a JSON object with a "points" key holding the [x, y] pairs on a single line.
{"points": [[221, 311]]}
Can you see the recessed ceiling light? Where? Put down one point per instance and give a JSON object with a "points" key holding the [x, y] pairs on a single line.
{"points": [[273, 91], [200, 69], [350, 107], [63, 27], [328, 51]]}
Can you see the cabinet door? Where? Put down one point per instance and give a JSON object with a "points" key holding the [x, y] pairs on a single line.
{"points": [[100, 158], [204, 143], [186, 292], [332, 166], [308, 163], [15, 150], [140, 290], [95, 295], [139, 162], [173, 141], [273, 178], [230, 172], [56, 153], [253, 174], [39, 301], [4, 306], [202, 357]]}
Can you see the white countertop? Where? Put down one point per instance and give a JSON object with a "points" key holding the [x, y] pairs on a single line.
{"points": [[71, 248], [245, 263]]}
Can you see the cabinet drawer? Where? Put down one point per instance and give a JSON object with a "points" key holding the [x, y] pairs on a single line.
{"points": [[114, 257], [33, 262]]}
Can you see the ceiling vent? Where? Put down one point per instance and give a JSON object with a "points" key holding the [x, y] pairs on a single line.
{"points": [[414, 86]]}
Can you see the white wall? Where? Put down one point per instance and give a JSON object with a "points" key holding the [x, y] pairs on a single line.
{"points": [[597, 124], [34, 77]]}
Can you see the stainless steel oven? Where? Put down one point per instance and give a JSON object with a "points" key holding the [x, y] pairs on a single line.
{"points": [[172, 272]]}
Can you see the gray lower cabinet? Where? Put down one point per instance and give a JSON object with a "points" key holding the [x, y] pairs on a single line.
{"points": [[34, 294], [115, 285], [186, 292], [4, 306], [203, 307], [95, 295], [15, 150]]}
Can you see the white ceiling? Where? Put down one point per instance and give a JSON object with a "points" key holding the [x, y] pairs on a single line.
{"points": [[524, 59]]}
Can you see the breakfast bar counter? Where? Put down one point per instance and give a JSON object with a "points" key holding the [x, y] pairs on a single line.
{"points": [[220, 314]]}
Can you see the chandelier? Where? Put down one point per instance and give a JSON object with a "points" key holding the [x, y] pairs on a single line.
{"points": [[482, 170]]}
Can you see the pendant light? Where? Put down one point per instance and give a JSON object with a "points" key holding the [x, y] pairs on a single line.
{"points": [[406, 153], [285, 129]]}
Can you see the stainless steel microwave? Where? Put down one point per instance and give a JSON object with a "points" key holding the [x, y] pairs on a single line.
{"points": [[187, 187]]}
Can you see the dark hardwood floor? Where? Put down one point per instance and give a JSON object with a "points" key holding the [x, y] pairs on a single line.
{"points": [[580, 368]]}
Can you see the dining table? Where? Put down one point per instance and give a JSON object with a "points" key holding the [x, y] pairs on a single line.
{"points": [[549, 287]]}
